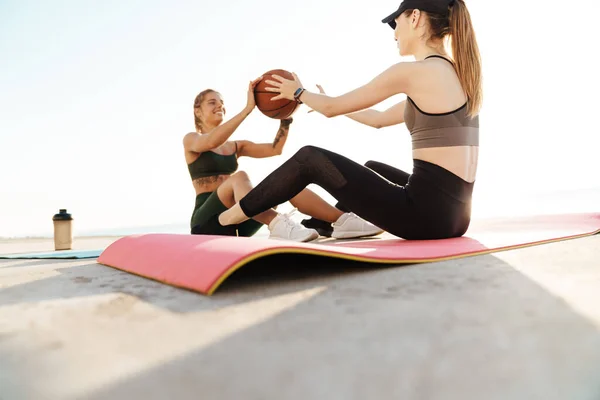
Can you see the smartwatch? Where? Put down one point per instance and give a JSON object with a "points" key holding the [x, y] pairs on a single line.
{"points": [[298, 93]]}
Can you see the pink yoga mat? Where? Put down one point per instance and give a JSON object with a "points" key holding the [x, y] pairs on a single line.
{"points": [[202, 262]]}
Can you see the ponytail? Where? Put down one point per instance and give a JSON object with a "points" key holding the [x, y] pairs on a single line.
{"points": [[465, 53]]}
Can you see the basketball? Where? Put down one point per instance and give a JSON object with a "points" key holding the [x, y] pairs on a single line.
{"points": [[278, 109]]}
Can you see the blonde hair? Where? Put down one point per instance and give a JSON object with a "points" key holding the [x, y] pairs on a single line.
{"points": [[197, 102], [457, 26]]}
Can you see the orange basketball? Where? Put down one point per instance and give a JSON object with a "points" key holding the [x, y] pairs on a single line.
{"points": [[278, 109]]}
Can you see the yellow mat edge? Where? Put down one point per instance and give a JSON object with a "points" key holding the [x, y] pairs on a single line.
{"points": [[328, 254]]}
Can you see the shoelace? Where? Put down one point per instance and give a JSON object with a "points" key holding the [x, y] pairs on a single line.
{"points": [[288, 220]]}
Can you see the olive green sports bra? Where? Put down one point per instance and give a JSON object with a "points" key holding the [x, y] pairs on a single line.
{"points": [[454, 128], [210, 163]]}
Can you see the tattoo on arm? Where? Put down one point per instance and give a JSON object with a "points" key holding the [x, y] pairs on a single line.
{"points": [[280, 134], [284, 128]]}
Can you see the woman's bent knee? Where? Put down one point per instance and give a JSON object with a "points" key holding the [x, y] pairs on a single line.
{"points": [[306, 152], [241, 175]]}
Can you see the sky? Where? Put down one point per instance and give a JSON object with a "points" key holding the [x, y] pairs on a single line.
{"points": [[96, 96]]}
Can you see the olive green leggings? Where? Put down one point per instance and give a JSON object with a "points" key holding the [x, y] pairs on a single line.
{"points": [[205, 218]]}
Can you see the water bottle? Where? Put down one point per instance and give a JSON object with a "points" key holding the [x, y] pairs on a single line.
{"points": [[63, 230]]}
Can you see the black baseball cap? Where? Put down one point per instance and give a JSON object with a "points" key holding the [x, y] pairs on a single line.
{"points": [[432, 6]]}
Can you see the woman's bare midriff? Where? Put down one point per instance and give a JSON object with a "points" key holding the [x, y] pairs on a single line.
{"points": [[208, 184], [460, 160]]}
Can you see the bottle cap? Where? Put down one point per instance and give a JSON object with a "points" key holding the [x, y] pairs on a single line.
{"points": [[62, 216]]}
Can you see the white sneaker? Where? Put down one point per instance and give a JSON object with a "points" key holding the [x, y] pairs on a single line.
{"points": [[350, 225], [282, 227]]}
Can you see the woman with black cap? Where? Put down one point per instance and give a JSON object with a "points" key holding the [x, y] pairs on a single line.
{"points": [[443, 99]]}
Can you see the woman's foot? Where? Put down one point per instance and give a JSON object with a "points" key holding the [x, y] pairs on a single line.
{"points": [[348, 226], [282, 227]]}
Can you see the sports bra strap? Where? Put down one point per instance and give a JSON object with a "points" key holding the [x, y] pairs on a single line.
{"points": [[438, 56]]}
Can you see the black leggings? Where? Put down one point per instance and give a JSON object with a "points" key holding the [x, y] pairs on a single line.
{"points": [[390, 173], [430, 203]]}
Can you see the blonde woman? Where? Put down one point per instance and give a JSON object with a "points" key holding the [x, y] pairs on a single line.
{"points": [[444, 96], [212, 162]]}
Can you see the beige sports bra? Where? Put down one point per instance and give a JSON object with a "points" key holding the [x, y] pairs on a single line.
{"points": [[454, 128]]}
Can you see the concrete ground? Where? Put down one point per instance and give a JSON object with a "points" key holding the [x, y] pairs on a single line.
{"points": [[521, 324]]}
